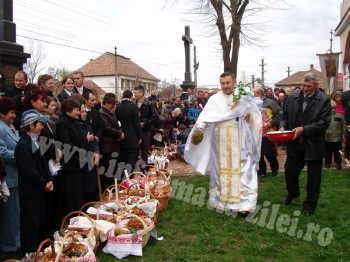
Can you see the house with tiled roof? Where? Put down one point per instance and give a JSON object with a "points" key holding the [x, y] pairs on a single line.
{"points": [[103, 71], [296, 79]]}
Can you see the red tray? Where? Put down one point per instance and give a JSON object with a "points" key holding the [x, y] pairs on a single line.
{"points": [[280, 136]]}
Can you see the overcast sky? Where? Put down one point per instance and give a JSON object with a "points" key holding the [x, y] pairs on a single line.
{"points": [[150, 34]]}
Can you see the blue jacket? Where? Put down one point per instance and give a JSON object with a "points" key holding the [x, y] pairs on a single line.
{"points": [[193, 113], [8, 142]]}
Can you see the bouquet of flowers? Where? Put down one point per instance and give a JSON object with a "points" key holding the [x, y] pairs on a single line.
{"points": [[242, 89]]}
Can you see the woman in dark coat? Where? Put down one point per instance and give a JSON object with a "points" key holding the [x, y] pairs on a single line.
{"points": [[70, 194], [92, 159], [53, 155]]}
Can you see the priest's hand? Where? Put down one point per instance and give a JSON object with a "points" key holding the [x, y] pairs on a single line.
{"points": [[197, 136]]}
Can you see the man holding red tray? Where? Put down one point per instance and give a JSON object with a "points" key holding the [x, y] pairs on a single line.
{"points": [[308, 113]]}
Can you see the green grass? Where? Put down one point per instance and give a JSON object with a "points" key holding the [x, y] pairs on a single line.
{"points": [[194, 233]]}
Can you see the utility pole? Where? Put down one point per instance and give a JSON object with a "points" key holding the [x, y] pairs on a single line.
{"points": [[253, 81], [288, 71], [262, 72], [115, 72], [195, 67]]}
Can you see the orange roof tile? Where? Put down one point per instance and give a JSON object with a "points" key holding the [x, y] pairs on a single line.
{"points": [[296, 79], [104, 65]]}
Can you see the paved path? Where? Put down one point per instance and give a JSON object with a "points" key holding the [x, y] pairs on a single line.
{"points": [[181, 168]]}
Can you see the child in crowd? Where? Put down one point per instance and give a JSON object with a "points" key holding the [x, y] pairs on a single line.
{"points": [[334, 136], [34, 178]]}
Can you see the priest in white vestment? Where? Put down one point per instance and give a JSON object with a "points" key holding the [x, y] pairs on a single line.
{"points": [[230, 148]]}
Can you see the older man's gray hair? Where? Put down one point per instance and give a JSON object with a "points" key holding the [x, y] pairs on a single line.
{"points": [[311, 77]]}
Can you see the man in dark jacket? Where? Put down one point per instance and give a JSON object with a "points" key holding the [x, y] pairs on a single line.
{"points": [[79, 83], [128, 115], [308, 113], [153, 97], [21, 80], [110, 141], [148, 115]]}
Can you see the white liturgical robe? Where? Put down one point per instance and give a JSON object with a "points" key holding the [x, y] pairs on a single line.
{"points": [[229, 151]]}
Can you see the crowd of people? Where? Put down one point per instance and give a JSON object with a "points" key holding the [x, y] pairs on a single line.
{"points": [[55, 148]]}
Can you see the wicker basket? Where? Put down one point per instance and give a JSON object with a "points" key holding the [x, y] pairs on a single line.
{"points": [[98, 216], [161, 188], [146, 229], [46, 256], [67, 246], [163, 201], [78, 230]]}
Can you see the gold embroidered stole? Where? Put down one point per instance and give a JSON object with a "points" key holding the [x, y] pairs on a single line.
{"points": [[229, 161]]}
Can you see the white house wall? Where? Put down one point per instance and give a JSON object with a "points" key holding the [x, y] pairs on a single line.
{"points": [[107, 83]]}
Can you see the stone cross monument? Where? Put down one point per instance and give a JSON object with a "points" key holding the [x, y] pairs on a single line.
{"points": [[12, 56], [188, 83]]}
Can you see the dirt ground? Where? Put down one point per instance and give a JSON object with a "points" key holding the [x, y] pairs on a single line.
{"points": [[181, 168]]}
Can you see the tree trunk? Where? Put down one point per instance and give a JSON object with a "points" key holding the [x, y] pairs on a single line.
{"points": [[231, 43]]}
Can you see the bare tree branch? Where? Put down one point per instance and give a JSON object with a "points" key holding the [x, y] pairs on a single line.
{"points": [[236, 22], [34, 64]]}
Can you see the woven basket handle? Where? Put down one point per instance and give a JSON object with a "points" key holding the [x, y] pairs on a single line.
{"points": [[77, 213], [41, 246], [136, 173], [109, 190], [137, 188], [64, 239], [158, 172], [99, 204]]}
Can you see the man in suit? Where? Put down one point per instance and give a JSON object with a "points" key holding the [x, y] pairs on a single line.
{"points": [[128, 115], [21, 80], [79, 83], [148, 115], [93, 115], [270, 94], [308, 114], [281, 100], [110, 142]]}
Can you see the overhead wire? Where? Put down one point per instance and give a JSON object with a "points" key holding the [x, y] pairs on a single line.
{"points": [[92, 51], [67, 34], [77, 22]]}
